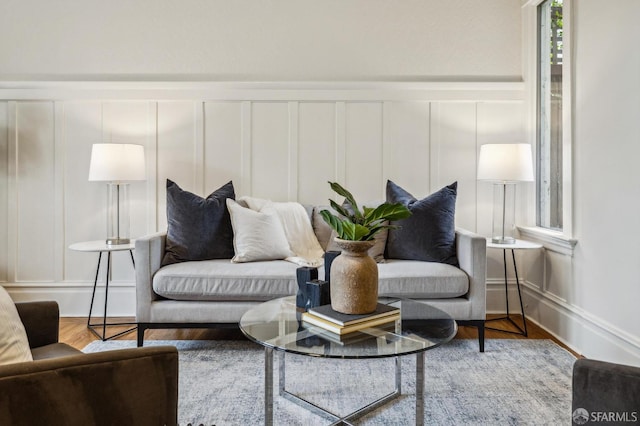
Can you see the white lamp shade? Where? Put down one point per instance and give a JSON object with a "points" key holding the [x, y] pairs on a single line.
{"points": [[505, 163], [116, 162]]}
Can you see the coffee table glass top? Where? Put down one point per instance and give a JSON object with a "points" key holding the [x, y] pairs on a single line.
{"points": [[276, 324]]}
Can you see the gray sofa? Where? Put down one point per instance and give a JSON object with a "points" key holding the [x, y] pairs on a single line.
{"points": [[216, 293]]}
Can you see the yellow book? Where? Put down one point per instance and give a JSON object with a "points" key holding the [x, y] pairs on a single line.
{"points": [[355, 337], [337, 329]]}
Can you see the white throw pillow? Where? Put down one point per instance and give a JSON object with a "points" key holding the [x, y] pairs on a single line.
{"points": [[14, 345], [295, 221], [256, 235]]}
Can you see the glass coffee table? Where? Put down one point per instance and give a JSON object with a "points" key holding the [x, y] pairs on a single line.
{"points": [[276, 325]]}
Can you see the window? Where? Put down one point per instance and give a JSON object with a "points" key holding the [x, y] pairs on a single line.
{"points": [[549, 120]]}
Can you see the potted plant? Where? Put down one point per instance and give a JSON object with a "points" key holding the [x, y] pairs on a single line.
{"points": [[354, 274]]}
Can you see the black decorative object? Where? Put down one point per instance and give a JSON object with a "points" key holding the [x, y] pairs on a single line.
{"points": [[318, 293], [329, 257], [304, 274]]}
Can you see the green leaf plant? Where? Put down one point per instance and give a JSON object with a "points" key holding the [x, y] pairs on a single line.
{"points": [[354, 224]]}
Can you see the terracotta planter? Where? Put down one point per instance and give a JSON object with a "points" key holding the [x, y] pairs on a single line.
{"points": [[354, 278]]}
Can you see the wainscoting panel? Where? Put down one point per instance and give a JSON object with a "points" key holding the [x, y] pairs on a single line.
{"points": [[558, 277], [223, 146], [4, 195], [84, 201], [270, 144], [32, 226], [363, 150], [317, 151], [406, 146], [453, 155], [178, 152], [280, 143]]}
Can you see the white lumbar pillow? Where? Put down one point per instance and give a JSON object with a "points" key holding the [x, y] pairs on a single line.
{"points": [[256, 235], [14, 345], [303, 242]]}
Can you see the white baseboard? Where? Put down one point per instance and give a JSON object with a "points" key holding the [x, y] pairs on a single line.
{"points": [[74, 299], [584, 333]]}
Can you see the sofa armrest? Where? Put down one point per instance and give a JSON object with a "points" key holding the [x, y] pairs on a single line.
{"points": [[148, 255], [130, 386], [600, 386], [41, 322], [471, 250]]}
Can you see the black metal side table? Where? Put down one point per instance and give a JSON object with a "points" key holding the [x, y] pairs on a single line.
{"points": [[517, 245], [102, 247]]}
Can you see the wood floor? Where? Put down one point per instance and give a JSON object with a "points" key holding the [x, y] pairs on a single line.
{"points": [[74, 332]]}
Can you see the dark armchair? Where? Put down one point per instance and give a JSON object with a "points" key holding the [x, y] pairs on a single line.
{"points": [[603, 391], [64, 386]]}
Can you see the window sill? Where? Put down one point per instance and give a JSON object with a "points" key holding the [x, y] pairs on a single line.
{"points": [[551, 240]]}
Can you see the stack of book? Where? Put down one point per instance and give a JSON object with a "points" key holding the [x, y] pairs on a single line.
{"points": [[327, 319]]}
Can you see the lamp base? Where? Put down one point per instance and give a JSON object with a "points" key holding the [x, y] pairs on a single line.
{"points": [[117, 241], [503, 240]]}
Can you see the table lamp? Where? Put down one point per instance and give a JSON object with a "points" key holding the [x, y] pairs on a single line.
{"points": [[117, 164], [505, 165]]}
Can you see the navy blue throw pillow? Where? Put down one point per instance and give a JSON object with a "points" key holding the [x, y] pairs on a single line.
{"points": [[429, 233], [198, 228]]}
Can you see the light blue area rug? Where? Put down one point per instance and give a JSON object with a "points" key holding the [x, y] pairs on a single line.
{"points": [[515, 382]]}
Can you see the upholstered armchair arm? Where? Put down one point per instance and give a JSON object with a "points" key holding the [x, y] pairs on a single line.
{"points": [[605, 387], [41, 322], [472, 256], [148, 255], [130, 386]]}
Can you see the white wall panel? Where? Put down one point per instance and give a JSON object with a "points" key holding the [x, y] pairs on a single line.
{"points": [[177, 152], [282, 149], [363, 151], [406, 146], [84, 201], [223, 145], [4, 173], [558, 277], [270, 168], [453, 156], [316, 151], [33, 153], [534, 268]]}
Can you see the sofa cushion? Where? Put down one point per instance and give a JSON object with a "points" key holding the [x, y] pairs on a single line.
{"points": [[320, 227], [198, 228], [415, 279], [429, 233], [222, 280], [14, 344], [304, 245], [257, 235]]}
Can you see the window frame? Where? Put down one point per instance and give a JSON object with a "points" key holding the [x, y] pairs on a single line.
{"points": [[531, 24]]}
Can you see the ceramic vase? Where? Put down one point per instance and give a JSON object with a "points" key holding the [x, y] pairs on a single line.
{"points": [[354, 278]]}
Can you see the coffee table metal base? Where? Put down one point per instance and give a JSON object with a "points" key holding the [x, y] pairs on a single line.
{"points": [[335, 418]]}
